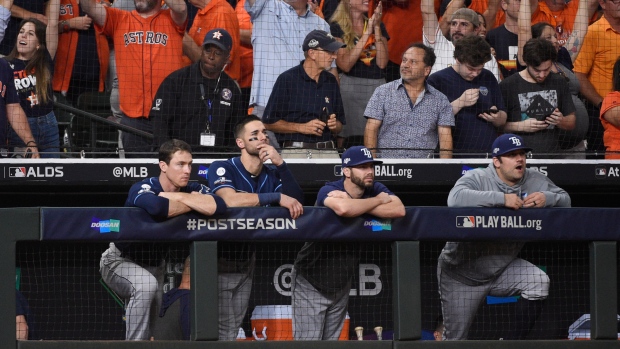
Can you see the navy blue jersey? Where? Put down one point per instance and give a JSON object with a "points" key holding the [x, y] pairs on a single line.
{"points": [[377, 189], [330, 266], [272, 179], [236, 257], [144, 194]]}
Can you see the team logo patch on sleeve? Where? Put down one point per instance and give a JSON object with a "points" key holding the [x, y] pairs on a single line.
{"points": [[145, 188], [222, 180], [220, 171]]}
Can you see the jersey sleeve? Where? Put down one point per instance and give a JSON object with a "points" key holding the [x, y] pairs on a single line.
{"points": [[198, 188], [142, 195], [110, 21], [322, 195], [220, 175], [289, 185], [380, 188]]}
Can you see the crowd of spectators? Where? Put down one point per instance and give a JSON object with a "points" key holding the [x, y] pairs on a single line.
{"points": [[128, 48]]}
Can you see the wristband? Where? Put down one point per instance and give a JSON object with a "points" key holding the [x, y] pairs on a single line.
{"points": [[28, 144], [265, 199], [65, 26], [220, 205]]}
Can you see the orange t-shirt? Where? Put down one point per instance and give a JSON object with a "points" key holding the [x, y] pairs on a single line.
{"points": [[404, 25], [611, 137], [245, 51], [219, 14], [147, 50], [563, 21], [598, 54], [67, 46]]}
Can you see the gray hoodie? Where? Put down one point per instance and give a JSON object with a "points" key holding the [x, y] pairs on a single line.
{"points": [[475, 263]]}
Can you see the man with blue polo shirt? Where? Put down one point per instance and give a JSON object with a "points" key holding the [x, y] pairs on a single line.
{"points": [[247, 181], [468, 271], [127, 268], [305, 109], [323, 272]]}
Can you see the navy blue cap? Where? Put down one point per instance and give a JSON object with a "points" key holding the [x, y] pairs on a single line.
{"points": [[358, 155], [320, 39], [220, 38], [506, 143]]}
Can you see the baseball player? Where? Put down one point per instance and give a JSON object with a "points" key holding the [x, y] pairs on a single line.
{"points": [[469, 271], [125, 267], [323, 272], [247, 181], [148, 44]]}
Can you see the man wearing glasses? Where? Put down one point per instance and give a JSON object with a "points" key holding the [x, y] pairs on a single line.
{"points": [[305, 109], [200, 104]]}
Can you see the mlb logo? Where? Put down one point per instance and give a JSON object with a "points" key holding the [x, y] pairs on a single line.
{"points": [[17, 172], [600, 172], [465, 221]]}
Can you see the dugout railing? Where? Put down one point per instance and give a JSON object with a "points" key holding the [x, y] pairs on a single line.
{"points": [[600, 227]]}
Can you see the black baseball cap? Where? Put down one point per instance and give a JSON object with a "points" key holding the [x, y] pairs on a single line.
{"points": [[321, 39], [220, 38]]}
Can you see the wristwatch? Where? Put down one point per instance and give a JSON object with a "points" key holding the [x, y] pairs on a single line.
{"points": [[65, 26]]}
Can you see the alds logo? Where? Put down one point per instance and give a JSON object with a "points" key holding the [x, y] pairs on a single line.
{"points": [[36, 172]]}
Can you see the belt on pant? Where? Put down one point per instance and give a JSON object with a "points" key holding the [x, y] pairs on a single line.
{"points": [[307, 145]]}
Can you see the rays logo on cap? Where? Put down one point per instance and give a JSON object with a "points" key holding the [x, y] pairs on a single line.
{"points": [[516, 141], [313, 43]]}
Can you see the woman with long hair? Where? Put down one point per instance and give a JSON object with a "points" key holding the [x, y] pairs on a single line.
{"points": [[32, 62], [570, 141], [610, 117], [361, 63]]}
